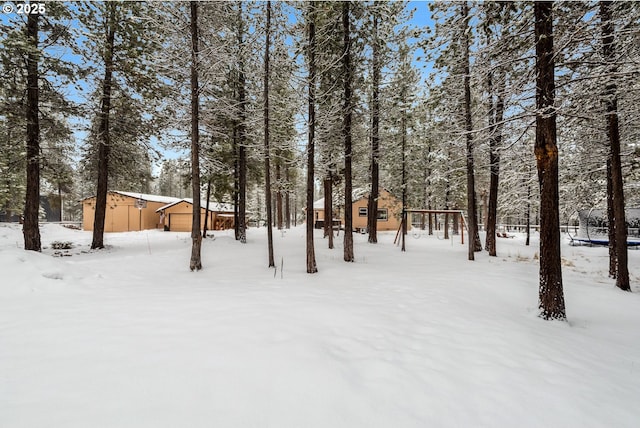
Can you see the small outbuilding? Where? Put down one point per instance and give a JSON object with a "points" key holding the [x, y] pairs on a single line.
{"points": [[389, 211], [126, 211], [318, 215], [177, 216]]}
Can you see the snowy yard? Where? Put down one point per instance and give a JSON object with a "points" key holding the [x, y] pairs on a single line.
{"points": [[129, 337]]}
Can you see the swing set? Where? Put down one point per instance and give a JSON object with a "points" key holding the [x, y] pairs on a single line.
{"points": [[424, 213]]}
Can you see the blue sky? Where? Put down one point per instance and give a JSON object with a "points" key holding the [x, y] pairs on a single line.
{"points": [[421, 18]]}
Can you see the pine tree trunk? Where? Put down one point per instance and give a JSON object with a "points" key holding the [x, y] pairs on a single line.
{"points": [[546, 151], [403, 126], [428, 188], [287, 199], [471, 193], [328, 210], [495, 128], [311, 256], [104, 146], [60, 217], [613, 134], [477, 242], [206, 211], [528, 214], [242, 182], [446, 226], [267, 149], [196, 238], [611, 219], [242, 135], [236, 182], [372, 211], [31, 230], [346, 132], [447, 194], [279, 219]]}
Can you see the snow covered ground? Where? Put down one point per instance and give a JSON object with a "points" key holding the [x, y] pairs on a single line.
{"points": [[129, 337]]}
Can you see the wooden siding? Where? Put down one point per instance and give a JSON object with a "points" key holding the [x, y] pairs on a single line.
{"points": [[178, 218], [122, 215], [386, 201]]}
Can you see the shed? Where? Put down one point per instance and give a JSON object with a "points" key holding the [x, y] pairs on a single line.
{"points": [[389, 210], [177, 216], [126, 211]]}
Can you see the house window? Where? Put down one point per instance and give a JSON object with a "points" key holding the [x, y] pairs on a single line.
{"points": [[383, 214], [362, 212]]}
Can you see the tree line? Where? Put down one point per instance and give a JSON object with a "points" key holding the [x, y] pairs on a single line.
{"points": [[275, 103]]}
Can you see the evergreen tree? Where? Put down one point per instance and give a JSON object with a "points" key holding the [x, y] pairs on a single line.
{"points": [[546, 151], [267, 149], [311, 64], [376, 70], [618, 225], [196, 239], [496, 26], [120, 65], [347, 113], [31, 230], [33, 111]]}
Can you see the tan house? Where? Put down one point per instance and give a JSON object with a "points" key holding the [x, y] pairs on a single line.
{"points": [[126, 211], [177, 216], [389, 211]]}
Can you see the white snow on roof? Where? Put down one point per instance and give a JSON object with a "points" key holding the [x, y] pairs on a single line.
{"points": [[213, 206], [338, 197], [150, 198]]}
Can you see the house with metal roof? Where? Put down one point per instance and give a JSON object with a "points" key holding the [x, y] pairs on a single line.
{"points": [[177, 215], [126, 211]]}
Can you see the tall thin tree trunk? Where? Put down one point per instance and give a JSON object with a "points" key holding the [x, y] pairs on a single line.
{"points": [[613, 259], [346, 132], [242, 134], [551, 300], [206, 211], [447, 194], [267, 149], [495, 128], [279, 219], [295, 207], [446, 226], [287, 198], [477, 242], [60, 201], [472, 224], [104, 147], [236, 182], [403, 126], [328, 209], [372, 212], [311, 255], [613, 134], [427, 184], [30, 228], [528, 215], [196, 238], [274, 209]]}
